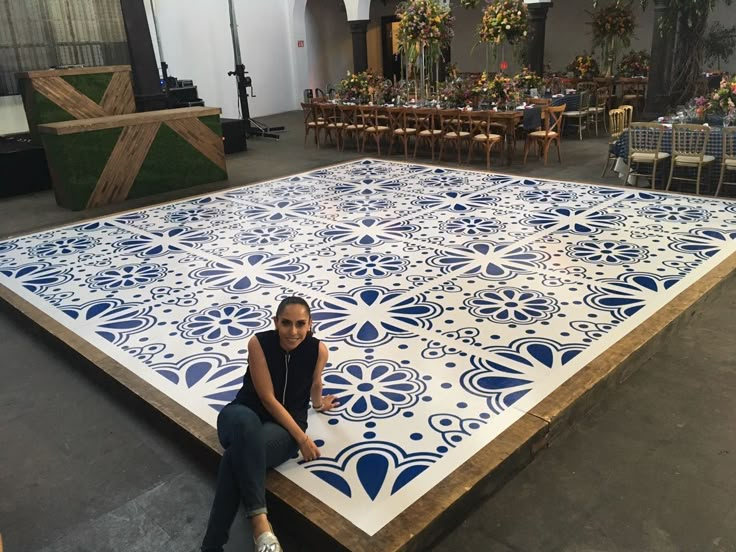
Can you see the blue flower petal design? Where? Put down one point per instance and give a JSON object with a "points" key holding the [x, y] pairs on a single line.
{"points": [[510, 305], [381, 468], [625, 295], [504, 374], [127, 276], [373, 389], [344, 317], [229, 322], [112, 319], [702, 242], [38, 277], [607, 252], [212, 376]]}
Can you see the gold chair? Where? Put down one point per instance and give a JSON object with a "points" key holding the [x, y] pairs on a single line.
{"points": [[729, 157], [616, 119], [586, 86], [398, 121], [482, 136], [634, 92], [582, 113], [645, 148], [628, 114], [453, 123], [425, 123], [598, 109], [373, 119], [688, 151], [311, 122], [552, 121]]}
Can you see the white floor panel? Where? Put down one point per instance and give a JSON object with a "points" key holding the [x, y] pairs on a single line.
{"points": [[451, 301]]}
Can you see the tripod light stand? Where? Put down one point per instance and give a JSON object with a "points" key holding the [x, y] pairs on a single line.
{"points": [[253, 127]]}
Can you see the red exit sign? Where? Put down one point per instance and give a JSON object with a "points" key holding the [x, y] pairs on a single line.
{"points": [[300, 44]]}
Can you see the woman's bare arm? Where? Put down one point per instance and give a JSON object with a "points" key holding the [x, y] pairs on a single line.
{"points": [[323, 404]]}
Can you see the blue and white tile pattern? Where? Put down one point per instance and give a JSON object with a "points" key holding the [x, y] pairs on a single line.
{"points": [[451, 301]]}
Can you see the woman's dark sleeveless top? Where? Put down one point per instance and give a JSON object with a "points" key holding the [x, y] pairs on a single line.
{"points": [[291, 374]]}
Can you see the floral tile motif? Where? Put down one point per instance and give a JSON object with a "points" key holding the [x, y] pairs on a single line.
{"points": [[452, 301]]}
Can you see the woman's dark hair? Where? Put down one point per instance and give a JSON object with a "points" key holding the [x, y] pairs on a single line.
{"points": [[294, 300]]}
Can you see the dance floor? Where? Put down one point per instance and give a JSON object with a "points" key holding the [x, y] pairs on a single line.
{"points": [[452, 302]]}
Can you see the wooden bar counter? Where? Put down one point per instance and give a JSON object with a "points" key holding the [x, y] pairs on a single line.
{"points": [[105, 160], [56, 95]]}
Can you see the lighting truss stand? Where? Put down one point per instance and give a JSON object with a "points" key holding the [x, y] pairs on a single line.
{"points": [[252, 127]]}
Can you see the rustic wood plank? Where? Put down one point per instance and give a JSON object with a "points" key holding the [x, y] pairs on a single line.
{"points": [[114, 121], [123, 165], [73, 71], [202, 138], [68, 98], [119, 98]]}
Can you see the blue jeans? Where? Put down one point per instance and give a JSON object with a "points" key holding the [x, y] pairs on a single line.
{"points": [[251, 446]]}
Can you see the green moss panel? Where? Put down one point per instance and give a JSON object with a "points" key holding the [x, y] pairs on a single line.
{"points": [[47, 111], [93, 86], [76, 162], [172, 163]]}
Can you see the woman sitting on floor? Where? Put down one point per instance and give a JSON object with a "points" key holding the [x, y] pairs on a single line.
{"points": [[266, 423]]}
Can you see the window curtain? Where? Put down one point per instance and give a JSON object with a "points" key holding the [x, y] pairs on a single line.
{"points": [[40, 34]]}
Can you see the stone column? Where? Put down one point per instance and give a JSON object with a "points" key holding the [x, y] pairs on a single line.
{"points": [[359, 29], [146, 81], [535, 40], [660, 66]]}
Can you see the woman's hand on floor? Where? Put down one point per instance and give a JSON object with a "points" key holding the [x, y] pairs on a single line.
{"points": [[308, 449], [328, 403]]}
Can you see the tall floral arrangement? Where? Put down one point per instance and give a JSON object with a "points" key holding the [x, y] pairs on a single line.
{"points": [[634, 64], [503, 20], [424, 23], [613, 26], [584, 66]]}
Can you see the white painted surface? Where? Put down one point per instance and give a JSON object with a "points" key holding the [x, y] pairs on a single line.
{"points": [[12, 115], [197, 41]]}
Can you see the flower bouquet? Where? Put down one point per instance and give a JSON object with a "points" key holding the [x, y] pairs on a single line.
{"points": [[459, 92], [503, 20], [503, 91], [584, 67], [361, 87], [634, 64], [723, 101], [527, 79]]}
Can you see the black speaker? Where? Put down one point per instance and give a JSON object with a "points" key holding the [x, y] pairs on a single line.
{"points": [[23, 166], [233, 135]]}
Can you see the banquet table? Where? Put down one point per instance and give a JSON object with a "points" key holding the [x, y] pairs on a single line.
{"points": [[714, 147]]}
